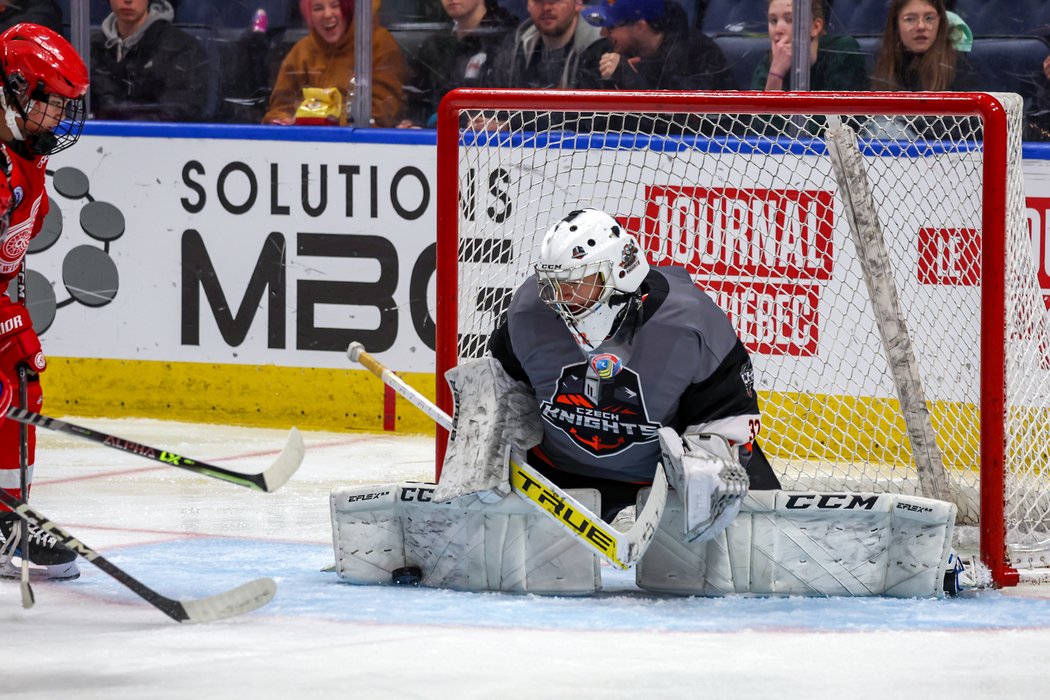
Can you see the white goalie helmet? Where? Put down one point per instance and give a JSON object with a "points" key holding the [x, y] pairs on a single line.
{"points": [[589, 268]]}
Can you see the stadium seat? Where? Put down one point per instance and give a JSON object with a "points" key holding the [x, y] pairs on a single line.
{"points": [[234, 14], [98, 12], [969, 9], [1041, 22], [742, 54], [869, 45], [857, 18], [693, 11], [212, 44], [721, 17], [1006, 19], [1010, 64], [518, 8]]}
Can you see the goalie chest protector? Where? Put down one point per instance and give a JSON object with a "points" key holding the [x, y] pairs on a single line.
{"points": [[601, 412]]}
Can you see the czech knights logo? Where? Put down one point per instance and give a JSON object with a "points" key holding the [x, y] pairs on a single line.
{"points": [[599, 405]]}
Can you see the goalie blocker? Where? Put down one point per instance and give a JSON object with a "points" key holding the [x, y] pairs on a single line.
{"points": [[782, 543]]}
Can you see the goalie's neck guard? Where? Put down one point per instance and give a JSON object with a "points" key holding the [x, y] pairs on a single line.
{"points": [[605, 321]]}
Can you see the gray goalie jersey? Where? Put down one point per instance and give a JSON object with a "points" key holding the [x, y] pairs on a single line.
{"points": [[675, 361]]}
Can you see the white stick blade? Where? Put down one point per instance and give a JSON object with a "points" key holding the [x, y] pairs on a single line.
{"points": [[235, 602], [28, 598], [287, 463], [641, 534]]}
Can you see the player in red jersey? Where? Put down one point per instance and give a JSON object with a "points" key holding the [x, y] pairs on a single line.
{"points": [[42, 85]]}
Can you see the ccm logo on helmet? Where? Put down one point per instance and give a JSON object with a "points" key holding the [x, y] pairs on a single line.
{"points": [[831, 501]]}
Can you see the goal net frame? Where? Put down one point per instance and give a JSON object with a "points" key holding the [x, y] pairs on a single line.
{"points": [[998, 143]]}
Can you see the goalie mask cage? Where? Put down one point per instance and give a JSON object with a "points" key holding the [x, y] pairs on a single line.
{"points": [[883, 280]]}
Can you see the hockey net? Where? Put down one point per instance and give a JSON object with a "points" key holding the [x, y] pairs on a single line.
{"points": [[892, 309]]}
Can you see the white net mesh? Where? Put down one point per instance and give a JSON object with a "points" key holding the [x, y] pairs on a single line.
{"points": [[751, 206]]}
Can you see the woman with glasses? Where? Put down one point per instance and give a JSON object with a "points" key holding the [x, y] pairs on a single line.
{"points": [[916, 52]]}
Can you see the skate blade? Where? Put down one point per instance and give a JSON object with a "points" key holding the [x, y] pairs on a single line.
{"points": [[58, 572]]}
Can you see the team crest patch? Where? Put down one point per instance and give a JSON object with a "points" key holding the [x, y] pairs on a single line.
{"points": [[629, 257], [747, 376], [17, 194], [601, 415], [606, 365], [15, 246]]}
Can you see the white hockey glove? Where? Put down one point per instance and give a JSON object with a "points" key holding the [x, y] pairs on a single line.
{"points": [[493, 412], [707, 475]]}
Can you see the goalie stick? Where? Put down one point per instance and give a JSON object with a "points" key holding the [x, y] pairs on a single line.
{"points": [[862, 216], [217, 607], [621, 549], [271, 479]]}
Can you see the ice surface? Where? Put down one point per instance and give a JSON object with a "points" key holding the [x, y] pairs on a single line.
{"points": [[188, 536]]}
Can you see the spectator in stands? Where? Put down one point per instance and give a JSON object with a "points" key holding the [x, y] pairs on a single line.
{"points": [[43, 12], [916, 52], [836, 62], [460, 58], [548, 49], [1038, 126], [144, 68], [653, 48], [324, 58]]}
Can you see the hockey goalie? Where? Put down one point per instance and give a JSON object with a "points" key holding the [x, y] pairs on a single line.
{"points": [[607, 376]]}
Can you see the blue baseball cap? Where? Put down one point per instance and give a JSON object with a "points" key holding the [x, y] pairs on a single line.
{"points": [[613, 13]]}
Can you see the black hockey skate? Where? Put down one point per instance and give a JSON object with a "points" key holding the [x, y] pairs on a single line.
{"points": [[48, 558]]}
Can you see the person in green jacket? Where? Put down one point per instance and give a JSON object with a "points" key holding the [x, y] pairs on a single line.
{"points": [[835, 62]]}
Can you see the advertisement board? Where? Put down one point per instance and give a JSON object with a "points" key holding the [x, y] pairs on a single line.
{"points": [[254, 255]]}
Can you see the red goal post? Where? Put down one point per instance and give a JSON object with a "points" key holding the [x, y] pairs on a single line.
{"points": [[739, 188]]}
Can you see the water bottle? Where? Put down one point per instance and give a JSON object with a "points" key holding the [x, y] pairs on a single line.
{"points": [[259, 21]]}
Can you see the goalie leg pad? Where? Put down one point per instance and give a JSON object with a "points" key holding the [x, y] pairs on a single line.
{"points": [[466, 544], [808, 544]]}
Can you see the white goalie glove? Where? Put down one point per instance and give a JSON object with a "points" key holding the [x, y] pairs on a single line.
{"points": [[706, 473], [493, 412]]}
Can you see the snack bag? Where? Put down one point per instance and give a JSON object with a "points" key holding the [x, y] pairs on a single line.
{"points": [[320, 106]]}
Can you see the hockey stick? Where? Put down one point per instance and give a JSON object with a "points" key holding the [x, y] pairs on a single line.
{"points": [[269, 480], [233, 602], [28, 598], [23, 449], [621, 549]]}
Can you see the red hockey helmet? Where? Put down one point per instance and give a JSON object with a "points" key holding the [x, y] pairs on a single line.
{"points": [[42, 72]]}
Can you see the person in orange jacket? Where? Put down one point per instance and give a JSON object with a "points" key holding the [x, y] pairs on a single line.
{"points": [[325, 59]]}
